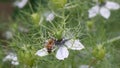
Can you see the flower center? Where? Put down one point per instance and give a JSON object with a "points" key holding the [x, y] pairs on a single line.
{"points": [[101, 3], [60, 42]]}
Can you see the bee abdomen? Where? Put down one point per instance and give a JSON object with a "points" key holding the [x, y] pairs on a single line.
{"points": [[49, 50]]}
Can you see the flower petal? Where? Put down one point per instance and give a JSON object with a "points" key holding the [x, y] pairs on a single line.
{"points": [[93, 11], [112, 5], [21, 4], [74, 44], [85, 66], [105, 12], [10, 56], [42, 52], [15, 62], [8, 35], [50, 17], [62, 53], [14, 58]]}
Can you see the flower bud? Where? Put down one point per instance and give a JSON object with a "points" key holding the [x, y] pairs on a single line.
{"points": [[36, 18], [58, 3], [99, 52], [59, 34], [90, 25], [101, 2]]}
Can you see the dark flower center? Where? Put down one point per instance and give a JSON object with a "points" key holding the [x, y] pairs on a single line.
{"points": [[102, 3], [60, 41]]}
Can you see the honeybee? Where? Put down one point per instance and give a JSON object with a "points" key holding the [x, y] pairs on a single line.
{"points": [[52, 42], [50, 45]]}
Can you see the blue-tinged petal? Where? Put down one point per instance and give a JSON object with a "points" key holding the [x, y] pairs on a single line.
{"points": [[42, 52], [112, 5], [93, 11], [21, 3], [105, 12], [62, 53], [74, 44]]}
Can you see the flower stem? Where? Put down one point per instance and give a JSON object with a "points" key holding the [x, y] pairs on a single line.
{"points": [[30, 6], [111, 40], [92, 62]]}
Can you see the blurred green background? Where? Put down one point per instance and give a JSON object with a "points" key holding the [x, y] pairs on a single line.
{"points": [[104, 30]]}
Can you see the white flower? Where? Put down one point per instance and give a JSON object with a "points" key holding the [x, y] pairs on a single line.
{"points": [[103, 10], [85, 66], [11, 57], [8, 35], [49, 16], [23, 29], [15, 62], [21, 3], [62, 51]]}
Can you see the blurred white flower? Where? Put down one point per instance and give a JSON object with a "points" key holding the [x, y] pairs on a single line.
{"points": [[8, 35], [15, 62], [23, 29], [85, 66], [62, 51], [49, 16], [11, 57], [21, 3], [103, 9]]}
